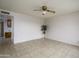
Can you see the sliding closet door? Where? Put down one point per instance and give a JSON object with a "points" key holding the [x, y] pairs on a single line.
{"points": [[1, 26], [1, 29]]}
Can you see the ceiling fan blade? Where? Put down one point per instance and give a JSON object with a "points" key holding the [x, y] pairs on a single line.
{"points": [[38, 9], [51, 11]]}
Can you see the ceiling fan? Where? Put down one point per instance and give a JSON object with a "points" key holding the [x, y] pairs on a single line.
{"points": [[44, 10]]}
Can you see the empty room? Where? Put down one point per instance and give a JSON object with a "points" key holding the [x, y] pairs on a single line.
{"points": [[39, 28]]}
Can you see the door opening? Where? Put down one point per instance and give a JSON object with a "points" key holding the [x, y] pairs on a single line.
{"points": [[6, 29]]}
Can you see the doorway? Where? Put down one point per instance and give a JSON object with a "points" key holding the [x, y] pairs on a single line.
{"points": [[6, 29]]}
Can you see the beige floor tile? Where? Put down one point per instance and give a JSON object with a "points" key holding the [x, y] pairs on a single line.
{"points": [[39, 49]]}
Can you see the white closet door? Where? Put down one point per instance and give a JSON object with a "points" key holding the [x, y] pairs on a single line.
{"points": [[0, 25]]}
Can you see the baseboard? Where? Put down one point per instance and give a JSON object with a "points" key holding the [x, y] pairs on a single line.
{"points": [[49, 39], [64, 42], [26, 40]]}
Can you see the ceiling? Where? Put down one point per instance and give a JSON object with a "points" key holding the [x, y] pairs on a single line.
{"points": [[27, 6]]}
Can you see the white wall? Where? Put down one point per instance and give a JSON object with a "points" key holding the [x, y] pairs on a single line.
{"points": [[64, 28], [26, 27]]}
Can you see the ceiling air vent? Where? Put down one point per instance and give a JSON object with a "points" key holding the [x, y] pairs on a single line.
{"points": [[4, 12]]}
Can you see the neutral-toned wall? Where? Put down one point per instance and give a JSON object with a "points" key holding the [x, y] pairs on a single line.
{"points": [[26, 27], [64, 28]]}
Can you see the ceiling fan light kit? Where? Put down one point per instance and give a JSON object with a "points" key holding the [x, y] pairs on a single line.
{"points": [[44, 12]]}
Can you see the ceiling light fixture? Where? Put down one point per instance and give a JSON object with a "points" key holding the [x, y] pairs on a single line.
{"points": [[44, 12]]}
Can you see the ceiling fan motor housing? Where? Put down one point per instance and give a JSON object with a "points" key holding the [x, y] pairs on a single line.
{"points": [[44, 8]]}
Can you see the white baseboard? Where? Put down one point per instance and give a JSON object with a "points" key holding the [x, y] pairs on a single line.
{"points": [[49, 39], [64, 42], [17, 42]]}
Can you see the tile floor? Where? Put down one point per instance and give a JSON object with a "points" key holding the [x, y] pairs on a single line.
{"points": [[39, 49]]}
